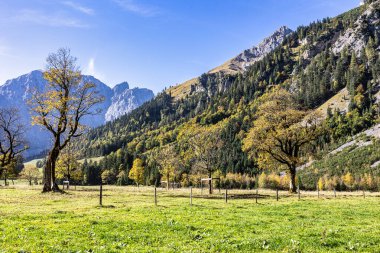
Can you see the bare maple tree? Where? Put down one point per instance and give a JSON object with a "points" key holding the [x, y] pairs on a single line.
{"points": [[12, 142]]}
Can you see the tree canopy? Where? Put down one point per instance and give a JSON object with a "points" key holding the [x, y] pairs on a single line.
{"points": [[61, 107], [280, 131], [137, 171]]}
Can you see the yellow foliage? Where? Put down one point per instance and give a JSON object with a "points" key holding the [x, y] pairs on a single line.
{"points": [[280, 131], [320, 183], [348, 180], [262, 180], [273, 180], [137, 171]]}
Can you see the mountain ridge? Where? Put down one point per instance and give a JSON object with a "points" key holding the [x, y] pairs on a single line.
{"points": [[16, 92], [237, 64]]}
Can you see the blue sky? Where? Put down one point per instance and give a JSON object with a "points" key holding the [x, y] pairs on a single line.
{"points": [[152, 44]]}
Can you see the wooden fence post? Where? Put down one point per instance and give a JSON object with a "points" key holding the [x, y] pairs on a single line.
{"points": [[101, 194], [226, 196], [363, 193], [257, 193], [277, 193], [191, 195], [299, 192], [318, 189], [334, 193], [155, 195]]}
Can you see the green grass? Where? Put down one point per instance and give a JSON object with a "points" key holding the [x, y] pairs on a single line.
{"points": [[129, 222], [32, 162]]}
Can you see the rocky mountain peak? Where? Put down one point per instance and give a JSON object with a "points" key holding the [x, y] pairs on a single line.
{"points": [[117, 102], [235, 65], [249, 56], [125, 100], [256, 53], [121, 87]]}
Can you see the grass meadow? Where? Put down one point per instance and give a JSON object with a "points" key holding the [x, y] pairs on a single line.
{"points": [[129, 221]]}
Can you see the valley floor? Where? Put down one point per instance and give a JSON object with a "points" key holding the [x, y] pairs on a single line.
{"points": [[130, 222]]}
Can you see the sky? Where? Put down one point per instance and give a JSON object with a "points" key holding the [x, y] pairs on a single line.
{"points": [[149, 43]]}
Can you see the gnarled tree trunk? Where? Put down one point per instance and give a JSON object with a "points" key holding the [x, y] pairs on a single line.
{"points": [[292, 181], [50, 183], [47, 176]]}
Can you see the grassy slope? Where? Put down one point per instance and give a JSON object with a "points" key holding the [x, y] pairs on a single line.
{"points": [[181, 90], [32, 163], [340, 101], [92, 159], [129, 222]]}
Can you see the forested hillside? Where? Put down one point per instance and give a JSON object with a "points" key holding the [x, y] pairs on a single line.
{"points": [[313, 63]]}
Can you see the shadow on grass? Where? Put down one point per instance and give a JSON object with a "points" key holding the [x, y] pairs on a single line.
{"points": [[220, 196], [61, 192], [89, 190], [105, 206]]}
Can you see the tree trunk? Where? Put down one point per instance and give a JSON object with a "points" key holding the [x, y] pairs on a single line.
{"points": [[210, 183], [53, 179], [292, 182], [47, 176], [50, 183], [167, 181]]}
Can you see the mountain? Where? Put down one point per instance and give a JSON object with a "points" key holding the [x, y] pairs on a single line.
{"points": [[332, 65], [249, 56], [125, 100], [238, 64], [117, 101]]}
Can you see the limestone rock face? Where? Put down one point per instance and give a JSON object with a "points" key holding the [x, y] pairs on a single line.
{"points": [[354, 38], [254, 54], [125, 100]]}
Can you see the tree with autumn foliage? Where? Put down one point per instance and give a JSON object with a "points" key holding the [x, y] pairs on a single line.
{"points": [[68, 166], [61, 107], [137, 171], [167, 160], [203, 145], [281, 131], [31, 174]]}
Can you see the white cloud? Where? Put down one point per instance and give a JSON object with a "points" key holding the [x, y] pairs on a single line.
{"points": [[91, 66], [42, 18], [142, 10], [90, 69], [79, 7]]}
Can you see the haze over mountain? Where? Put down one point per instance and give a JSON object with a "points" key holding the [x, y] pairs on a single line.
{"points": [[118, 101]]}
